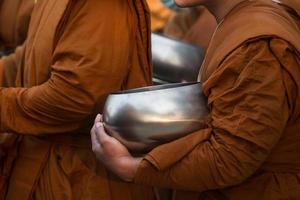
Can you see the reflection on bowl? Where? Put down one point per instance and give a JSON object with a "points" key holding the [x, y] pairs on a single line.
{"points": [[144, 118]]}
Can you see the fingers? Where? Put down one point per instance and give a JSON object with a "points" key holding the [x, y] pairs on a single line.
{"points": [[100, 133], [98, 118], [95, 142], [94, 136]]}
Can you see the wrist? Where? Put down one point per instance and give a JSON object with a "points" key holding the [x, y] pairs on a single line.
{"points": [[128, 168]]}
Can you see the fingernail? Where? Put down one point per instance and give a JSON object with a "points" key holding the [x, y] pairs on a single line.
{"points": [[98, 125]]}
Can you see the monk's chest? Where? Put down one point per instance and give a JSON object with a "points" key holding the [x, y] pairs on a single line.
{"points": [[41, 39]]}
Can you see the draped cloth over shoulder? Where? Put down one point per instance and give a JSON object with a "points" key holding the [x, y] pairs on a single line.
{"points": [[250, 150], [76, 53], [292, 4]]}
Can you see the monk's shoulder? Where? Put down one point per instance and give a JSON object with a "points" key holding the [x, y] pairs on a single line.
{"points": [[242, 60], [97, 17], [288, 56], [271, 47], [95, 12], [249, 49], [280, 46]]}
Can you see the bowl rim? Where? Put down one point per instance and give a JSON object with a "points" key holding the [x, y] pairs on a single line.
{"points": [[155, 88], [174, 40]]}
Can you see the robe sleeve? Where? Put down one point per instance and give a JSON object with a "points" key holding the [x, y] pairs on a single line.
{"points": [[249, 112], [90, 60]]}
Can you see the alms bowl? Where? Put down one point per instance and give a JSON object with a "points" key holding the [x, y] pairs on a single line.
{"points": [[144, 118], [175, 61]]}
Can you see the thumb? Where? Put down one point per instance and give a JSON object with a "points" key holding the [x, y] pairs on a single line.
{"points": [[101, 133], [98, 118]]}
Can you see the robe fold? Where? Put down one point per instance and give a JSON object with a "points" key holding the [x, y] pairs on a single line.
{"points": [[250, 150], [14, 21], [76, 53]]}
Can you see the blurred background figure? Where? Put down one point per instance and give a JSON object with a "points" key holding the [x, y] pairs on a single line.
{"points": [[192, 25], [14, 21], [159, 15]]}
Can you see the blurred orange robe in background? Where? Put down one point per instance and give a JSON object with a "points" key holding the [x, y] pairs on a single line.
{"points": [[159, 15], [14, 22], [251, 148], [76, 53]]}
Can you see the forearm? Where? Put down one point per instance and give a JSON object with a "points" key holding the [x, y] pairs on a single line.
{"points": [[211, 164], [43, 109]]}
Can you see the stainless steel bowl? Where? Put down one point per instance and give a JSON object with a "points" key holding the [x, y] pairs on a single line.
{"points": [[144, 118], [175, 61]]}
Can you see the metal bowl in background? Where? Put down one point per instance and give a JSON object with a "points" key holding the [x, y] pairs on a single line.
{"points": [[175, 61], [144, 118]]}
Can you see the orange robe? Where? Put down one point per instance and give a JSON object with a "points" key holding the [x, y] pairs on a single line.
{"points": [[76, 53], [251, 148], [159, 15], [14, 21], [195, 26]]}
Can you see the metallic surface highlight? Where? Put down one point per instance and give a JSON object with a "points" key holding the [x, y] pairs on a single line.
{"points": [[175, 61], [144, 118]]}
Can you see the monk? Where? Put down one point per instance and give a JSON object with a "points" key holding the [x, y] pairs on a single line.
{"points": [[76, 53], [14, 20], [251, 146], [193, 25]]}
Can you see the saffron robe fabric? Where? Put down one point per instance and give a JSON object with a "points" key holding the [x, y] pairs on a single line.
{"points": [[14, 22], [250, 150], [76, 53]]}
